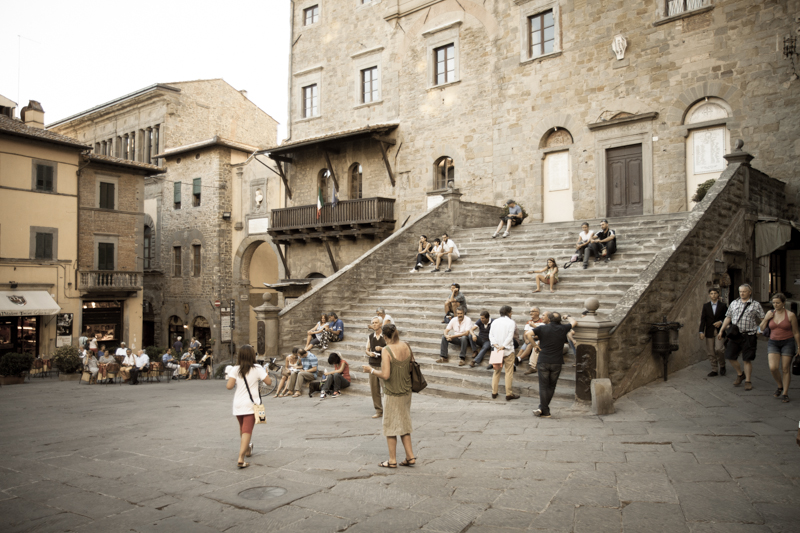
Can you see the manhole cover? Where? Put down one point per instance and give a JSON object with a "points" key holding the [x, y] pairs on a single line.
{"points": [[262, 493]]}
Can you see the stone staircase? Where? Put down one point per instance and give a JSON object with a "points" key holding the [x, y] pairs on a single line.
{"points": [[492, 273]]}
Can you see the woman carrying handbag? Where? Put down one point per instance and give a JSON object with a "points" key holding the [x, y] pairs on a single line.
{"points": [[395, 372], [245, 377], [780, 326]]}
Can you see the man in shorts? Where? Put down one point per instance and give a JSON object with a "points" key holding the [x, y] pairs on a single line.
{"points": [[746, 314], [514, 217]]}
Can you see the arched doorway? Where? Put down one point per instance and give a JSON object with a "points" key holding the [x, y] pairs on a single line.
{"points": [[148, 324], [176, 330], [201, 330]]}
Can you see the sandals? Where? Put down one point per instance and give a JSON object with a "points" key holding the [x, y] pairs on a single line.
{"points": [[387, 464], [785, 399], [778, 393], [242, 465], [408, 461], [296, 394]]}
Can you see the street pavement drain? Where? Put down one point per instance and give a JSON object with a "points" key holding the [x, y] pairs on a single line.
{"points": [[262, 493]]}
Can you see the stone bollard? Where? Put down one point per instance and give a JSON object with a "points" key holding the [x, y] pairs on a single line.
{"points": [[602, 397], [267, 327], [591, 337]]}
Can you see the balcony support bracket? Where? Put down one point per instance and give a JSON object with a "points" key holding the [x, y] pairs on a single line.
{"points": [[386, 161], [283, 260], [330, 256]]}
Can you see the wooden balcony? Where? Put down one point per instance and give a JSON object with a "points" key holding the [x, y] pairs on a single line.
{"points": [[366, 217], [110, 281]]}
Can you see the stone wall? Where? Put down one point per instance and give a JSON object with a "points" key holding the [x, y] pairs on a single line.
{"points": [[363, 275], [675, 285]]}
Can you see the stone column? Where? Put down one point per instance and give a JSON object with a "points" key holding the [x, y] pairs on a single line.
{"points": [[591, 337], [146, 145], [453, 194], [267, 327]]}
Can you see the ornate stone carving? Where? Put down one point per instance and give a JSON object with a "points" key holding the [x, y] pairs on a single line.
{"points": [[585, 371], [619, 45], [558, 138]]}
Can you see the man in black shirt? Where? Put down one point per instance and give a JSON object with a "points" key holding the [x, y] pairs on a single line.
{"points": [[603, 244], [375, 345], [552, 338], [480, 336]]}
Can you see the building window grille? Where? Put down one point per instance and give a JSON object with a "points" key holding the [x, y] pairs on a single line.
{"points": [[542, 32], [445, 172], [196, 190], [445, 58], [106, 195], [310, 101], [311, 15], [176, 262], [44, 246], [105, 256], [369, 85], [44, 177], [196, 260]]}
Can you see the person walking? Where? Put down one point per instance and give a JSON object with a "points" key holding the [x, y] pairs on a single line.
{"points": [[552, 338], [375, 344], [177, 346], [784, 343], [501, 335], [395, 372], [245, 377], [711, 318], [745, 314]]}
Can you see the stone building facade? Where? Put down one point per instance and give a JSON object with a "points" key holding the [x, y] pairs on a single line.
{"points": [[194, 223], [575, 109]]}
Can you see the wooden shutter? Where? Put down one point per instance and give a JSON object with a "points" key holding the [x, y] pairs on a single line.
{"points": [[44, 246], [177, 192], [196, 184], [44, 177], [106, 195]]}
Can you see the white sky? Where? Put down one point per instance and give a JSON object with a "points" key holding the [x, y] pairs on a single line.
{"points": [[76, 54]]}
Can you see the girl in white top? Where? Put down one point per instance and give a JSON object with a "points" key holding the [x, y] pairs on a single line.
{"points": [[583, 240], [247, 371]]}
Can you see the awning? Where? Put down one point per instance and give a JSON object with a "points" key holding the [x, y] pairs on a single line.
{"points": [[771, 234], [27, 303]]}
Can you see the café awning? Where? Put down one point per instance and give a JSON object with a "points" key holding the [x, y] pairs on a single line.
{"points": [[27, 303]]}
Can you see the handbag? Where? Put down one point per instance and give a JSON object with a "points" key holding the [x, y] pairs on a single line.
{"points": [[497, 356], [733, 331], [418, 382], [258, 408], [796, 365]]}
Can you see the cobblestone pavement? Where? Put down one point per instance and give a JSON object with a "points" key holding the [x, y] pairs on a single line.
{"points": [[693, 454]]}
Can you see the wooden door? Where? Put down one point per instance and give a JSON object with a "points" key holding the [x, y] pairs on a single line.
{"points": [[624, 181]]}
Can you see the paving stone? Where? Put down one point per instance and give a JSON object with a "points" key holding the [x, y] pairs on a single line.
{"points": [[704, 527], [557, 517], [90, 504], [640, 517], [781, 517], [280, 518], [343, 507], [721, 502], [679, 473], [455, 520], [394, 520], [773, 489], [596, 496], [645, 488], [498, 518], [597, 520], [661, 457], [16, 511], [55, 523]]}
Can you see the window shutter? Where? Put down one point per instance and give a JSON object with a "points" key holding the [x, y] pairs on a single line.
{"points": [[177, 192], [44, 177], [196, 186], [48, 245]]}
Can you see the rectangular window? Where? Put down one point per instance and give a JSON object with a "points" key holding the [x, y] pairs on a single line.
{"points": [[310, 15], [44, 177], [105, 256], [369, 85], [196, 190], [44, 246], [177, 269], [106, 195], [176, 194], [543, 33], [310, 101], [445, 58], [148, 250], [196, 260]]}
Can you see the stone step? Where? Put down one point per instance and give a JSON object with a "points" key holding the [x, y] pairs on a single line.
{"points": [[573, 226]]}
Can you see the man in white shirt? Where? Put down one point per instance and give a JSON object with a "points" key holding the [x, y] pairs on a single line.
{"points": [[457, 332], [142, 363], [128, 364], [501, 335], [122, 350], [385, 319], [449, 250]]}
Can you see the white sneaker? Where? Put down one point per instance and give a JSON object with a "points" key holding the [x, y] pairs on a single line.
{"points": [[505, 234], [419, 265], [322, 396], [494, 235], [412, 271]]}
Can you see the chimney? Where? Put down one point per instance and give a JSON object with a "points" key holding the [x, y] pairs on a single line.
{"points": [[33, 115]]}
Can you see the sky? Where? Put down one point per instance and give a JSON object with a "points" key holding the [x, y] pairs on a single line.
{"points": [[76, 54]]}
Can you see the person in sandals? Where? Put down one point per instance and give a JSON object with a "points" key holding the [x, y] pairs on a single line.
{"points": [[395, 372], [548, 275], [286, 373], [245, 377], [784, 340]]}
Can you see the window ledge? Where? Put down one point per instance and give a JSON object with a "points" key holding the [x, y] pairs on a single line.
{"points": [[685, 14], [368, 104], [444, 85], [307, 119], [541, 57]]}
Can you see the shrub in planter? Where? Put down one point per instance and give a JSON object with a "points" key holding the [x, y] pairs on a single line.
{"points": [[155, 352], [15, 364], [68, 359], [702, 190]]}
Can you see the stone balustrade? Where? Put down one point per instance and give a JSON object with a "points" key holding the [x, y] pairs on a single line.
{"points": [[110, 280]]}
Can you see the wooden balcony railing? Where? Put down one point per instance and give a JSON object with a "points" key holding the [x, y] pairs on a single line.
{"points": [[110, 280], [348, 217]]}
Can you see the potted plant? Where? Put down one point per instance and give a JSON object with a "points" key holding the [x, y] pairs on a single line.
{"points": [[702, 190], [13, 367], [68, 361]]}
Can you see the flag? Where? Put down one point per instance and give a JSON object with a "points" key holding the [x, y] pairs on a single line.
{"points": [[320, 201]]}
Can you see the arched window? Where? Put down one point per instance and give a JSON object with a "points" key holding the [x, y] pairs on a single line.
{"points": [[148, 248], [356, 182], [444, 172], [325, 184], [556, 176], [707, 141]]}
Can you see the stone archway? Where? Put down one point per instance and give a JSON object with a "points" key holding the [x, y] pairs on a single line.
{"points": [[241, 282]]}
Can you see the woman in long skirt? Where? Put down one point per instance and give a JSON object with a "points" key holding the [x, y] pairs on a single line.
{"points": [[395, 372], [249, 373]]}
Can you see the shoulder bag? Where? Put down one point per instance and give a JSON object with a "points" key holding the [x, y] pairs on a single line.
{"points": [[258, 408], [796, 365], [733, 332], [418, 382]]}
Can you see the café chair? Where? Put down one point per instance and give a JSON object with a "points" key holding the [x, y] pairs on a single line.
{"points": [[112, 373], [86, 376]]}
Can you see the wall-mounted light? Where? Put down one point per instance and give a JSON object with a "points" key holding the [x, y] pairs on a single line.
{"points": [[226, 215]]}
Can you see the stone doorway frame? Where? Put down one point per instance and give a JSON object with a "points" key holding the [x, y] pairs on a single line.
{"points": [[644, 138]]}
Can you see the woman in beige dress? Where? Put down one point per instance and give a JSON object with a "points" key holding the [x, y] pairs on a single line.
{"points": [[395, 372]]}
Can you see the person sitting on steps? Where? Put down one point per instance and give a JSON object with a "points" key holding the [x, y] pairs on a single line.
{"points": [[584, 238], [457, 332], [316, 335], [455, 301], [603, 244], [549, 275], [423, 253], [337, 379], [514, 217], [449, 250]]}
